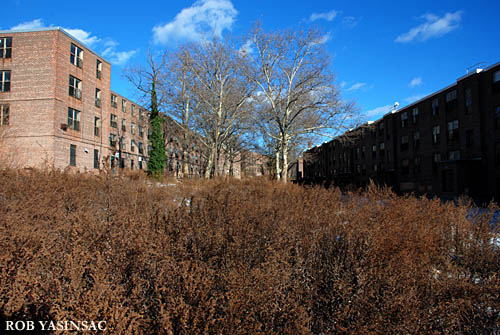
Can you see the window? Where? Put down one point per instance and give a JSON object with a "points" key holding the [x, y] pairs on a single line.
{"points": [[98, 69], [132, 145], [113, 121], [450, 96], [414, 114], [381, 128], [405, 166], [124, 106], [141, 114], [4, 81], [404, 142], [497, 117], [132, 128], [112, 140], [435, 107], [497, 154], [96, 159], [468, 100], [97, 97], [436, 158], [382, 150], [416, 140], [97, 126], [436, 134], [72, 155], [416, 165], [469, 137], [454, 155], [76, 56], [451, 101], [5, 47], [141, 148], [131, 164], [141, 131], [75, 87], [73, 119], [124, 128], [496, 77], [374, 151], [4, 115], [496, 82], [132, 110], [453, 130], [404, 119], [114, 101]]}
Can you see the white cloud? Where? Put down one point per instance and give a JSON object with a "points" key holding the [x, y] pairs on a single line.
{"points": [[414, 98], [247, 47], [379, 111], [329, 16], [118, 57], [107, 47], [342, 84], [417, 81], [356, 86], [323, 39], [29, 25], [350, 21], [433, 27], [204, 18], [83, 36]]}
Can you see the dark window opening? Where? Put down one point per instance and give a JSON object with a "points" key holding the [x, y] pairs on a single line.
{"points": [[72, 155], [5, 47], [4, 81]]}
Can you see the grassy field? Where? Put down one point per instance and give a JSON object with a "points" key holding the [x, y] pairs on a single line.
{"points": [[241, 257]]}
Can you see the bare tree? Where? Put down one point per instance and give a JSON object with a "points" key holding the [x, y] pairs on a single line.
{"points": [[178, 97], [222, 90], [297, 95]]}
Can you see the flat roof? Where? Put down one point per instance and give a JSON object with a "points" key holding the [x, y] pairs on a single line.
{"points": [[57, 28], [472, 73]]}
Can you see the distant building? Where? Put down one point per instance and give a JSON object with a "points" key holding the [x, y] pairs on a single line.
{"points": [[445, 145]]}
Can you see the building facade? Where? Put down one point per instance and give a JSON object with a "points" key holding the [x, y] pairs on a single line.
{"points": [[446, 144], [57, 107]]}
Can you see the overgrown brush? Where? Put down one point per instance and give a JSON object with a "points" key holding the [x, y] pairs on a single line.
{"points": [[242, 257]]}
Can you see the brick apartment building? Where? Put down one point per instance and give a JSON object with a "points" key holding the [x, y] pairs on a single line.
{"points": [[57, 108], [445, 145]]}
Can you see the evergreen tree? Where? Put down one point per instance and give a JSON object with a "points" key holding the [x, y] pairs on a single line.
{"points": [[157, 157]]}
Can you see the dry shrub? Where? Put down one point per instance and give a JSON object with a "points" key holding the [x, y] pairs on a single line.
{"points": [[242, 257]]}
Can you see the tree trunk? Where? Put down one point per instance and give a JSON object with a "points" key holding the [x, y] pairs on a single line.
{"points": [[278, 172], [284, 150], [210, 163]]}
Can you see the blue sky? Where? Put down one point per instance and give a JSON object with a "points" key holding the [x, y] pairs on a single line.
{"points": [[383, 51]]}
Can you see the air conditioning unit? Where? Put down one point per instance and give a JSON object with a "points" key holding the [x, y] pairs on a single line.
{"points": [[64, 126]]}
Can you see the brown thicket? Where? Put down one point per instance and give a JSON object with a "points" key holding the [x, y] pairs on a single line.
{"points": [[241, 257]]}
